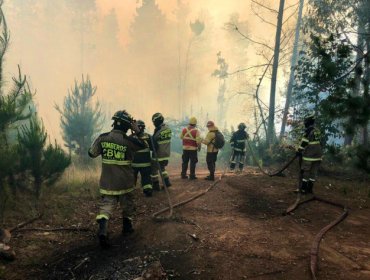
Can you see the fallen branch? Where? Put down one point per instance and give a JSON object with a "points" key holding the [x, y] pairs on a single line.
{"points": [[21, 225]]}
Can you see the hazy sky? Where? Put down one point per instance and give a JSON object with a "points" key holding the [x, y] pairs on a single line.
{"points": [[46, 42]]}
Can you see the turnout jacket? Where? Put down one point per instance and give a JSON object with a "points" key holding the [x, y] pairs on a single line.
{"points": [[190, 138], [142, 158], [238, 140], [117, 151], [162, 141], [210, 138], [310, 145]]}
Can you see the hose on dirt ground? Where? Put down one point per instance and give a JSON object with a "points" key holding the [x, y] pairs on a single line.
{"points": [[181, 203], [268, 173], [315, 246]]}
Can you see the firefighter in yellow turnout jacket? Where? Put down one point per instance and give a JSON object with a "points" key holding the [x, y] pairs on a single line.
{"points": [[117, 177], [142, 161], [162, 144], [311, 152]]}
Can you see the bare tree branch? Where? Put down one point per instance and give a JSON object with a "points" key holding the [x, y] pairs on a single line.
{"points": [[265, 7], [287, 8], [292, 14], [249, 39], [246, 69], [261, 18]]}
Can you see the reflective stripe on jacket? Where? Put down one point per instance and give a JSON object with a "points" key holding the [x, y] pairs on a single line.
{"points": [[238, 140], [142, 157], [310, 145], [162, 140], [190, 138], [117, 151]]}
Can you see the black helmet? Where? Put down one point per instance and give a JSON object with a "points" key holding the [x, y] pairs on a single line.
{"points": [[157, 119], [122, 118], [140, 124], [309, 119], [242, 126]]}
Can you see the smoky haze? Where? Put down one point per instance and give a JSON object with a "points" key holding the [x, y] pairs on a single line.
{"points": [[143, 56]]}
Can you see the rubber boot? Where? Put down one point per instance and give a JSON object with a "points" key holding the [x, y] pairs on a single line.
{"points": [[210, 177], [103, 233], [304, 187], [232, 166], [241, 167], [193, 177], [167, 182], [148, 192], [184, 176], [156, 186], [310, 186], [127, 226]]}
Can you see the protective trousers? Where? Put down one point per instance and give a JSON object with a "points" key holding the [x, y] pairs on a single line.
{"points": [[192, 156], [237, 156], [155, 173], [108, 202], [309, 170], [211, 159], [145, 173]]}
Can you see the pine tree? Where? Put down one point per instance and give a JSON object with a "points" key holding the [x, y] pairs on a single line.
{"points": [[46, 163], [81, 119]]}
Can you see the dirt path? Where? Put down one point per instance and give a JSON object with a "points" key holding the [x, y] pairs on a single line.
{"points": [[239, 234]]}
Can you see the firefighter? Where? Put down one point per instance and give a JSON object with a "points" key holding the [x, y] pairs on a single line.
{"points": [[238, 145], [162, 144], [191, 143], [212, 151], [311, 152], [117, 177], [142, 161]]}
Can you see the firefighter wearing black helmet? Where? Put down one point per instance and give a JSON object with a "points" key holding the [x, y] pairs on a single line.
{"points": [[162, 144], [142, 161], [311, 152], [117, 177], [238, 145]]}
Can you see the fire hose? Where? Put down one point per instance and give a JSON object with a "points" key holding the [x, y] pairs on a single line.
{"points": [[191, 198], [271, 174], [315, 246]]}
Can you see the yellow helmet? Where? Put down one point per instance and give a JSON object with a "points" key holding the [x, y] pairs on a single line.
{"points": [[193, 121]]}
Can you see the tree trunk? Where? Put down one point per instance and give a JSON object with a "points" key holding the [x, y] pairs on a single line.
{"points": [[270, 130], [365, 130], [292, 67]]}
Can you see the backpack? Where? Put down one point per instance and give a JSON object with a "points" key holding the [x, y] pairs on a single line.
{"points": [[219, 140]]}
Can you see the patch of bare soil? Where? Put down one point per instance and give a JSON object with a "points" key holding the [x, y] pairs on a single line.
{"points": [[235, 231]]}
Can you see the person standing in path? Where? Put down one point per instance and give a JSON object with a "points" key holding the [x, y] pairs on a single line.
{"points": [[191, 143], [162, 145], [311, 152], [212, 151], [117, 177], [238, 145]]}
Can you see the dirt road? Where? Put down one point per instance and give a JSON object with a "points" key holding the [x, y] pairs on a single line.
{"points": [[236, 231]]}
